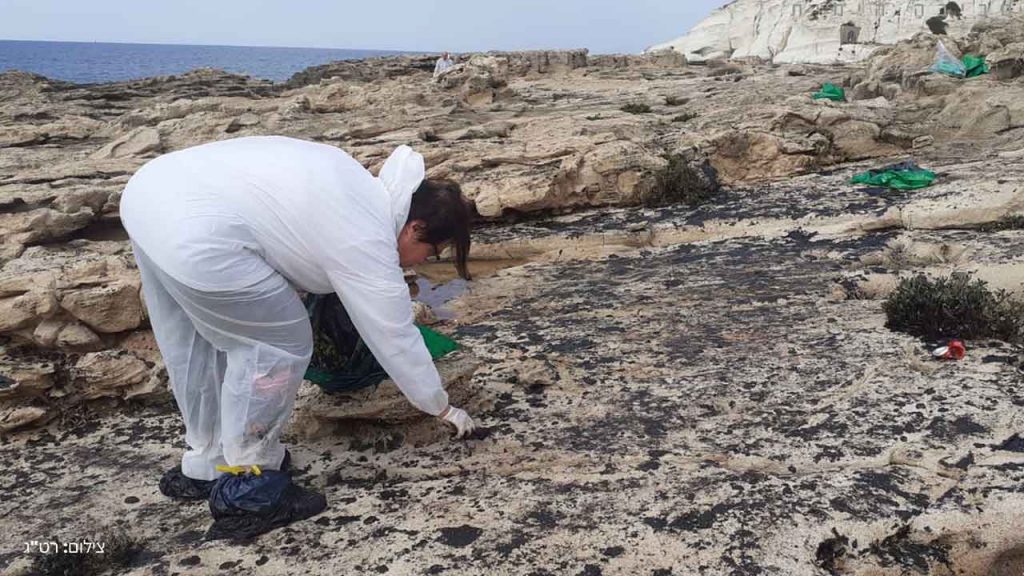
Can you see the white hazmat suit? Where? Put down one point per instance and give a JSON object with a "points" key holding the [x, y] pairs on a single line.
{"points": [[224, 234]]}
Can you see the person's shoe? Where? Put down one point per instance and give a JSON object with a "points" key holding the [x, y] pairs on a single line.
{"points": [[247, 505], [176, 485]]}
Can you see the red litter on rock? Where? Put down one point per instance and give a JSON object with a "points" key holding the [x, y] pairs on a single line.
{"points": [[954, 350]]}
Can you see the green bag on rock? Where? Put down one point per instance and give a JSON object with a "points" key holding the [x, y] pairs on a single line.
{"points": [[903, 176], [974, 66], [970, 66], [438, 344], [830, 92]]}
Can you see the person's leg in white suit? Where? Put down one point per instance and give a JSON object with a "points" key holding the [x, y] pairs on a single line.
{"points": [[235, 360]]}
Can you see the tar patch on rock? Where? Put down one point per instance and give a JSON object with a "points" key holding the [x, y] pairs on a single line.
{"points": [[517, 540], [544, 518], [700, 520], [831, 552], [962, 426], [961, 464], [613, 551], [1013, 444], [189, 537], [481, 433], [898, 549], [459, 536]]}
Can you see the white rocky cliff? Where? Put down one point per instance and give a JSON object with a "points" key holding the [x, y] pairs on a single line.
{"points": [[826, 31]]}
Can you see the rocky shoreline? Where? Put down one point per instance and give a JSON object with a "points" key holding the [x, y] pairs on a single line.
{"points": [[671, 389]]}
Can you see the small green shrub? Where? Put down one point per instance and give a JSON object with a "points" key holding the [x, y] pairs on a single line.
{"points": [[121, 549], [676, 100], [681, 182], [636, 108], [957, 306], [1015, 222], [684, 117]]}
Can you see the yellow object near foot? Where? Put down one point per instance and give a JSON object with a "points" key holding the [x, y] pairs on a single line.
{"points": [[237, 470]]}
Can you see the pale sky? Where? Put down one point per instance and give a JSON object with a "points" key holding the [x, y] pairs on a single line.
{"points": [[603, 26]]}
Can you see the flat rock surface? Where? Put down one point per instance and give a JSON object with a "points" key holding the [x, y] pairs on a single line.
{"points": [[713, 410]]}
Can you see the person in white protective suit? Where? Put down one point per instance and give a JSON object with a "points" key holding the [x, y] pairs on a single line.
{"points": [[225, 233]]}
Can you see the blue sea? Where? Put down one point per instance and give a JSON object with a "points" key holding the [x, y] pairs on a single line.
{"points": [[90, 62]]}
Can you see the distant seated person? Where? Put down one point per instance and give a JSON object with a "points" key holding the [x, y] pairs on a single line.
{"points": [[443, 63]]}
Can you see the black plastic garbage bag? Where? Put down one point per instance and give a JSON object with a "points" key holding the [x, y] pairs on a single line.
{"points": [[341, 360], [174, 484], [247, 505]]}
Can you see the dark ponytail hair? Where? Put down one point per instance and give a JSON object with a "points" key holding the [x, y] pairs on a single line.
{"points": [[440, 205]]}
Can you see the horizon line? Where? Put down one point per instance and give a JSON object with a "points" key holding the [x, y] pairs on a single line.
{"points": [[397, 51], [387, 50]]}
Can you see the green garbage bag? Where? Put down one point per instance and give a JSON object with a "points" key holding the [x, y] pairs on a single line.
{"points": [[975, 66], [341, 361], [830, 92], [438, 344], [903, 176]]}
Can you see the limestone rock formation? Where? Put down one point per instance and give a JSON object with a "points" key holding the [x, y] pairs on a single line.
{"points": [[480, 81], [826, 31], [25, 379], [12, 418], [110, 374], [115, 307], [524, 133], [1007, 61], [136, 143]]}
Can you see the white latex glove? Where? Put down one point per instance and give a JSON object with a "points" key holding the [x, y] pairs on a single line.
{"points": [[458, 418]]}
